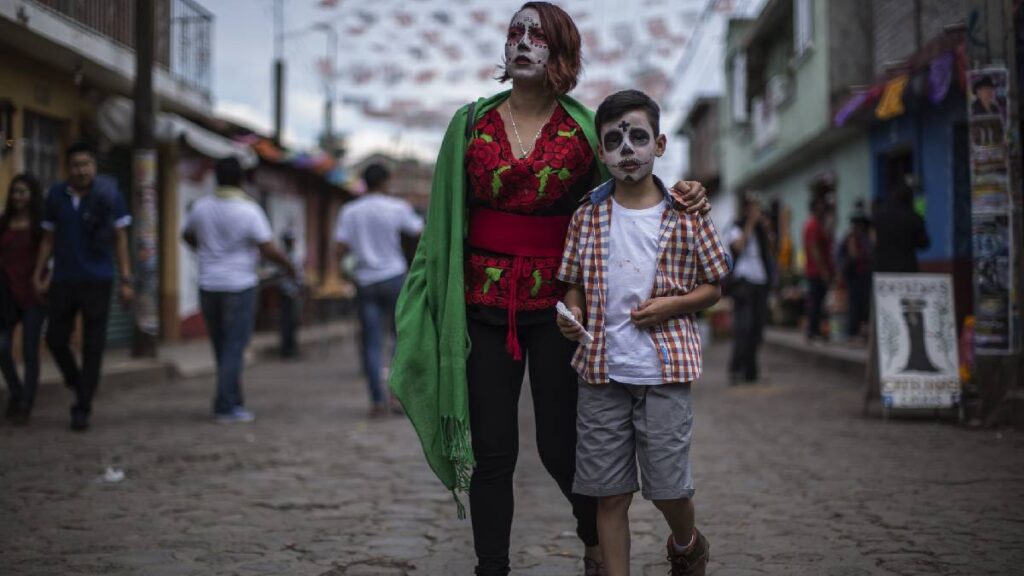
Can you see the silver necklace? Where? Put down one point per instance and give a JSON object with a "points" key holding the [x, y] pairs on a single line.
{"points": [[516, 131]]}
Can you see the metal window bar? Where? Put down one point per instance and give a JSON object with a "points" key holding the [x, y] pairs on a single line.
{"points": [[184, 32]]}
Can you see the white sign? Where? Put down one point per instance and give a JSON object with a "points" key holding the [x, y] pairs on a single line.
{"points": [[917, 347]]}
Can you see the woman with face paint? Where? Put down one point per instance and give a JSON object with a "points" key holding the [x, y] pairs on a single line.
{"points": [[480, 295]]}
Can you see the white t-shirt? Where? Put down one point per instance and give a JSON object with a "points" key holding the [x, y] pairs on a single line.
{"points": [[229, 232], [749, 265], [372, 227], [632, 264]]}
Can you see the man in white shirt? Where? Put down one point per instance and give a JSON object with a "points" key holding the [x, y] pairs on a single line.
{"points": [[371, 229], [230, 233]]}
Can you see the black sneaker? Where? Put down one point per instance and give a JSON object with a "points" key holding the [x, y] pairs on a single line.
{"points": [[692, 563], [79, 421]]}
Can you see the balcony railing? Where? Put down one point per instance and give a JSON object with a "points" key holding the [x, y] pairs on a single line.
{"points": [[183, 33]]}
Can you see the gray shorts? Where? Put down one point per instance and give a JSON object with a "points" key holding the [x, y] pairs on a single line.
{"points": [[619, 425]]}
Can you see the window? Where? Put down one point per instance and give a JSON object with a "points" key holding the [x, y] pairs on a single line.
{"points": [[803, 26], [739, 88], [41, 143]]}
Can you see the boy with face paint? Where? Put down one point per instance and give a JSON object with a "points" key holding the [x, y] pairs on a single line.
{"points": [[641, 267]]}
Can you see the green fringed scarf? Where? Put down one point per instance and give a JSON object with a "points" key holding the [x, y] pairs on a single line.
{"points": [[428, 373]]}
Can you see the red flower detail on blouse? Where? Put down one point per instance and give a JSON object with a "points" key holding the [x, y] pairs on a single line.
{"points": [[560, 158]]}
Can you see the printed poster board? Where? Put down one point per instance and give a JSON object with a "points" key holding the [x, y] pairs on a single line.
{"points": [[917, 348]]}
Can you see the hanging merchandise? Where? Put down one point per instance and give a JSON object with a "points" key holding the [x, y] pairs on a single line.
{"points": [[940, 77], [891, 104]]}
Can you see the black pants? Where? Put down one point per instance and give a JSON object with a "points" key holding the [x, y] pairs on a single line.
{"points": [[495, 380], [66, 300], [817, 289], [750, 312], [859, 285]]}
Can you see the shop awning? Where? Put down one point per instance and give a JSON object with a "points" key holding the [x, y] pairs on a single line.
{"points": [[115, 118]]}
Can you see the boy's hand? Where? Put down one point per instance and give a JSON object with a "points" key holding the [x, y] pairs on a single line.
{"points": [[695, 197], [567, 328], [653, 312]]}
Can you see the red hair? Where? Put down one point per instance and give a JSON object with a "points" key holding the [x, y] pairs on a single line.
{"points": [[563, 38]]}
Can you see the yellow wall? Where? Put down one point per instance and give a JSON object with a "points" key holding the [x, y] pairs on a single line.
{"points": [[34, 86]]}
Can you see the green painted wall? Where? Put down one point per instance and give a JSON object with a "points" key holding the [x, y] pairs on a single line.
{"points": [[851, 164]]}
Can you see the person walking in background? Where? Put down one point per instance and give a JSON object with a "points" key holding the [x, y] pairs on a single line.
{"points": [[230, 233], [752, 247], [817, 238], [855, 265], [370, 228], [899, 231], [291, 300], [20, 235], [84, 221]]}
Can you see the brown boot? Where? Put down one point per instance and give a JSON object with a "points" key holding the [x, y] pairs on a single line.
{"points": [[692, 563]]}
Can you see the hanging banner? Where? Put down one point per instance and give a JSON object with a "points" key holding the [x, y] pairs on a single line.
{"points": [[917, 346], [992, 205]]}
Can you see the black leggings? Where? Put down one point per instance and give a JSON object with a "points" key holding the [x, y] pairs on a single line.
{"points": [[495, 380]]}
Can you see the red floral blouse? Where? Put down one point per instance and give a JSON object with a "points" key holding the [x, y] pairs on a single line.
{"points": [[550, 181]]}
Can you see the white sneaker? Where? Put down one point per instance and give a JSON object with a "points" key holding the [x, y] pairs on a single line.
{"points": [[239, 414]]}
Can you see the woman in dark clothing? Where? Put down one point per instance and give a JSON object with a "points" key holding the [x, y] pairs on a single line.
{"points": [[856, 268], [899, 233], [752, 247], [20, 233]]}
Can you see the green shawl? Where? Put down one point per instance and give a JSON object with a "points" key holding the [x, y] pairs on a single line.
{"points": [[428, 373]]}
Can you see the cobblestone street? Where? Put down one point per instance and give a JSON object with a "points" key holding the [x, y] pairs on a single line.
{"points": [[790, 480]]}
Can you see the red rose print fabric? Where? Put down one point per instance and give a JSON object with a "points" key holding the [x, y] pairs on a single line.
{"points": [[551, 180]]}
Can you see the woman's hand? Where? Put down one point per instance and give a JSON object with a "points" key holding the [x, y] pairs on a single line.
{"points": [[695, 197], [567, 328], [41, 284]]}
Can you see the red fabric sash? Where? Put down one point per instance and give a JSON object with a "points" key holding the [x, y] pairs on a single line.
{"points": [[520, 236], [517, 234]]}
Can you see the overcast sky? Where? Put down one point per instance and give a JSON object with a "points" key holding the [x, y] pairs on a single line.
{"points": [[426, 57]]}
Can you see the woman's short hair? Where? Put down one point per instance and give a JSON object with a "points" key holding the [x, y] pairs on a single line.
{"points": [[563, 38]]}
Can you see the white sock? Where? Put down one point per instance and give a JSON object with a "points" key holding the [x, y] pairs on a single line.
{"points": [[682, 549]]}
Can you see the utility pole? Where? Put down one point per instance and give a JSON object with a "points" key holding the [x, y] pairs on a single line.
{"points": [[331, 63], [144, 187], [278, 71], [992, 59]]}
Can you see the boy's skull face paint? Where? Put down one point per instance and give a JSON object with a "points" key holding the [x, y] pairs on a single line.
{"points": [[629, 145], [526, 49]]}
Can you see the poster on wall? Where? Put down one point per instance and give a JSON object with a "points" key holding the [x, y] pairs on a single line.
{"points": [[993, 284], [992, 204], [917, 352]]}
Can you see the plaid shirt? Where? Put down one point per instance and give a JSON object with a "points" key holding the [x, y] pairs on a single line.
{"points": [[689, 253]]}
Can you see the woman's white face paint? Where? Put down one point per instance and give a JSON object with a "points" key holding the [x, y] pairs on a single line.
{"points": [[526, 49], [628, 146]]}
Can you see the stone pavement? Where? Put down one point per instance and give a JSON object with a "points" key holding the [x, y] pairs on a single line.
{"points": [[791, 480]]}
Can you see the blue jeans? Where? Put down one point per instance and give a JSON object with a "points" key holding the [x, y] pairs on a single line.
{"points": [[23, 392], [229, 320], [376, 304]]}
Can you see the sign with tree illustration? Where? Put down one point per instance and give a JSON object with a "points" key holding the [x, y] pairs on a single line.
{"points": [[917, 345]]}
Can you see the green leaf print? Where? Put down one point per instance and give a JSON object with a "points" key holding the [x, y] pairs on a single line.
{"points": [[543, 175], [564, 174], [486, 137], [496, 180], [493, 275], [538, 281], [567, 134]]}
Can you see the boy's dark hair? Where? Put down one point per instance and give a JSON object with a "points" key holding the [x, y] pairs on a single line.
{"points": [[374, 175], [625, 101], [78, 148], [229, 171]]}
